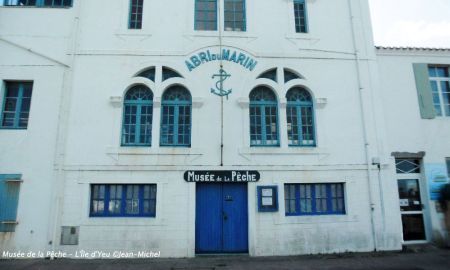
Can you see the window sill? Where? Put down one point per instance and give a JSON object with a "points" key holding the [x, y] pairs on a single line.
{"points": [[282, 151], [316, 219], [149, 151], [10, 222], [133, 33], [12, 128], [215, 34], [39, 7], [122, 221], [301, 36]]}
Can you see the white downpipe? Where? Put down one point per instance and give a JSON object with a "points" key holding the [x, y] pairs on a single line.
{"points": [[63, 118], [364, 127]]}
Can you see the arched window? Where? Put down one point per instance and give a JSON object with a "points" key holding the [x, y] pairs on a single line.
{"points": [[176, 107], [263, 117], [137, 117], [290, 75], [149, 73], [300, 117], [168, 73], [270, 74]]}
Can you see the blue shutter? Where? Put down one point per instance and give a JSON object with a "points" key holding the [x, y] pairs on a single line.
{"points": [[9, 199], [424, 91]]}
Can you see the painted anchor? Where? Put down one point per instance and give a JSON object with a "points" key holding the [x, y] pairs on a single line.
{"points": [[223, 76]]}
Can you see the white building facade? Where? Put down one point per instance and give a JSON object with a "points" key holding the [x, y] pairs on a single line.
{"points": [[204, 126]]}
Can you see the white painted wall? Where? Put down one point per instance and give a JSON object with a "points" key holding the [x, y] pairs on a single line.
{"points": [[108, 56]]}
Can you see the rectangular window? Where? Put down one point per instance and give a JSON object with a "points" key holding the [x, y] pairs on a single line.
{"points": [[407, 165], [314, 199], [39, 3], [264, 125], [16, 105], [440, 87], [135, 16], [9, 199], [137, 200], [176, 125], [234, 12], [206, 15], [300, 16]]}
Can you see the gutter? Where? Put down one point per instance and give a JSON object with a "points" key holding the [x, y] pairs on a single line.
{"points": [[364, 127], [63, 118]]}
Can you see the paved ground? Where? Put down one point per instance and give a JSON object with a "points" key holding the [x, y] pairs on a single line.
{"points": [[433, 259]]}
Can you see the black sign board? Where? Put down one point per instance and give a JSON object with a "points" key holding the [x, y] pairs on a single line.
{"points": [[222, 176]]}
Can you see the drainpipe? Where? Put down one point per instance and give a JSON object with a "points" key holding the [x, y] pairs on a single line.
{"points": [[63, 118], [363, 124]]}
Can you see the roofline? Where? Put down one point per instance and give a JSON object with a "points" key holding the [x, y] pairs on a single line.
{"points": [[428, 49]]}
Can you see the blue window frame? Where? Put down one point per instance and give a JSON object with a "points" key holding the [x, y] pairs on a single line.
{"points": [[38, 3], [9, 199], [176, 108], [301, 25], [440, 86], [267, 198], [263, 117], [16, 105], [135, 15], [206, 15], [234, 13], [314, 199], [131, 200], [137, 117], [300, 118]]}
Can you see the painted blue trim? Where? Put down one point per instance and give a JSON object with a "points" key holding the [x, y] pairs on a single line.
{"points": [[262, 106], [196, 22], [244, 16], [18, 108], [40, 3], [314, 211], [135, 25], [123, 201], [305, 15], [273, 208], [139, 104], [176, 105], [9, 201]]}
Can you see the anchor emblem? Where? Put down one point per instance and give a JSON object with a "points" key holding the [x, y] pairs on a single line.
{"points": [[223, 76]]}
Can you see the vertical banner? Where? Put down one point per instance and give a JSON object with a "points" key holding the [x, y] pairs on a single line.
{"points": [[436, 174]]}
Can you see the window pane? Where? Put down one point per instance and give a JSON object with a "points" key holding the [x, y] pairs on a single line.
{"points": [[234, 13], [300, 16], [315, 199], [136, 7], [132, 200], [206, 15], [407, 165], [16, 106], [123, 200]]}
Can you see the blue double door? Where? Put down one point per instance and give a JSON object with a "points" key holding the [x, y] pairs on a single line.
{"points": [[221, 222]]}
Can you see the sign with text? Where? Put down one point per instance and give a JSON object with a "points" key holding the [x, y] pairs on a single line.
{"points": [[221, 176]]}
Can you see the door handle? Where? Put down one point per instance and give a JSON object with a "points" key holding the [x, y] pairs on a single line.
{"points": [[225, 217]]}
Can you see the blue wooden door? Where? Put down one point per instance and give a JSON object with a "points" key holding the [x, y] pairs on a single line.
{"points": [[221, 223]]}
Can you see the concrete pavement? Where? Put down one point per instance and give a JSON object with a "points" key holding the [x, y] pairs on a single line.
{"points": [[429, 259]]}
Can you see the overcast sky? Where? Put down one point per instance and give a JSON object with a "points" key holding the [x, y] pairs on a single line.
{"points": [[419, 23]]}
